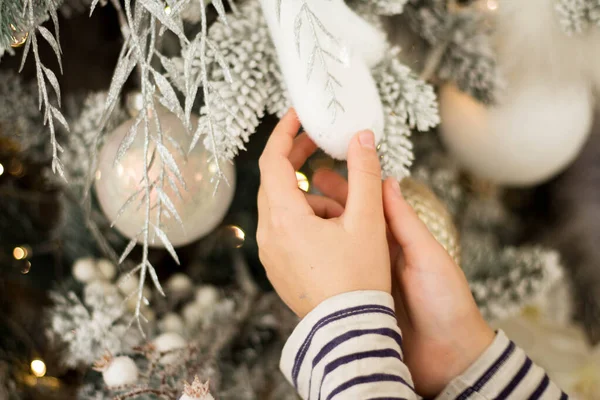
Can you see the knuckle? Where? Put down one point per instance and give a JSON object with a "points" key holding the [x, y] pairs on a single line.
{"points": [[368, 169]]}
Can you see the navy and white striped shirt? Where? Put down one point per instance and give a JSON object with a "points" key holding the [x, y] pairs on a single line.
{"points": [[350, 347]]}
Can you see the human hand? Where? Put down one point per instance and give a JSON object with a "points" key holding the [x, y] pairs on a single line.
{"points": [[443, 331], [308, 254]]}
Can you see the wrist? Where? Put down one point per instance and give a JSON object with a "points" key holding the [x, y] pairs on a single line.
{"points": [[469, 343]]}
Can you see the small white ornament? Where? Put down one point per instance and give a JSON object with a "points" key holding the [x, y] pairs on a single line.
{"points": [[166, 343], [192, 313], [84, 270], [117, 371], [327, 77], [196, 391], [131, 302], [107, 269], [180, 285], [171, 322], [536, 132], [199, 207], [128, 284], [207, 296]]}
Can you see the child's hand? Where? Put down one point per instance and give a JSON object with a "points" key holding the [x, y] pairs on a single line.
{"points": [[443, 331], [307, 258]]}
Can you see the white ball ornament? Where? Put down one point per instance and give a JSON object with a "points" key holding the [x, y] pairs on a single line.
{"points": [[120, 371], [192, 314], [128, 284], [326, 72], [200, 208], [171, 322], [168, 342], [533, 134], [107, 269], [180, 285], [206, 296], [84, 270]]}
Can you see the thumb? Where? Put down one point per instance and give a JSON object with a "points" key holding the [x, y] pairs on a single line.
{"points": [[364, 180], [406, 227]]}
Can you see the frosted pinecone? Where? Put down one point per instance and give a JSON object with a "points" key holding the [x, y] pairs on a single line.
{"points": [[237, 104], [408, 103]]}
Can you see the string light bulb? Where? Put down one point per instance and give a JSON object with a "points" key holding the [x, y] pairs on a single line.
{"points": [[303, 183], [168, 10], [1, 169], [20, 252], [38, 368]]}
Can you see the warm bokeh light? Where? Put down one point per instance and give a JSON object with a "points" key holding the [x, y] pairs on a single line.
{"points": [[38, 368], [303, 182], [20, 253], [1, 169], [492, 5]]}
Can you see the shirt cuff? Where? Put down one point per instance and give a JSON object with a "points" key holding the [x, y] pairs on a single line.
{"points": [[502, 371], [337, 322]]}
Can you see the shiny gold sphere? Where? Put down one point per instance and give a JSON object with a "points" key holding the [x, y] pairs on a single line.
{"points": [[434, 214]]}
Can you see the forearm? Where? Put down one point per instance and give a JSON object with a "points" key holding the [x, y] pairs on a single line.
{"points": [[349, 347]]}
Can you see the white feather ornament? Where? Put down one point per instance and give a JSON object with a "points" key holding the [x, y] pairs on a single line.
{"points": [[326, 70]]}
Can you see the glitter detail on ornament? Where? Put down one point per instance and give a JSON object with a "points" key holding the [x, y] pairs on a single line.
{"points": [[434, 215]]}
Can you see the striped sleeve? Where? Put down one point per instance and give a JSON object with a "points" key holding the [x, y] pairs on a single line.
{"points": [[503, 372], [348, 347]]}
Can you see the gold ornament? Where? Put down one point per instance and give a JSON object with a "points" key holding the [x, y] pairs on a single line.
{"points": [[18, 38], [434, 214]]}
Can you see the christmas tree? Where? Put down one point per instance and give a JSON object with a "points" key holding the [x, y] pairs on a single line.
{"points": [[130, 132]]}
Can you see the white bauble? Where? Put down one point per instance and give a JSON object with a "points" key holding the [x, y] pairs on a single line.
{"points": [[106, 269], [179, 285], [200, 208], [84, 270], [534, 133], [128, 283], [207, 296], [328, 80], [171, 322], [121, 371], [167, 342], [192, 314]]}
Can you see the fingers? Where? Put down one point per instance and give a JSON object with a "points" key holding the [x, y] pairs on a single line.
{"points": [[303, 148], [332, 185], [364, 180], [324, 207], [278, 175], [408, 230]]}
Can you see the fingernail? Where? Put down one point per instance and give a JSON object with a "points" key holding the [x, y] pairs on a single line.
{"points": [[396, 188], [367, 139]]}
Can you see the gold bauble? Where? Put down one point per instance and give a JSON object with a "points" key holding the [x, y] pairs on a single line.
{"points": [[434, 215]]}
